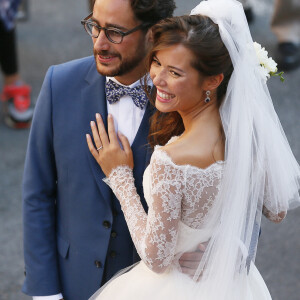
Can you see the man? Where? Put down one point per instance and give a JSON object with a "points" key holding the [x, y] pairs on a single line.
{"points": [[286, 26], [75, 235]]}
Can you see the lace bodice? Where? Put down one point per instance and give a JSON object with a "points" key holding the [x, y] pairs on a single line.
{"points": [[174, 194]]}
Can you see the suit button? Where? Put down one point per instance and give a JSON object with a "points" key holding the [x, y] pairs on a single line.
{"points": [[106, 224], [113, 254], [113, 234], [98, 264]]}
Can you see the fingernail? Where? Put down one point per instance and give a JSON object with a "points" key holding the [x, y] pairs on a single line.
{"points": [[86, 135], [92, 123], [97, 116]]}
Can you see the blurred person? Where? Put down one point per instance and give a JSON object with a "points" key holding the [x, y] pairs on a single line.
{"points": [[75, 234], [286, 26], [15, 94], [220, 157]]}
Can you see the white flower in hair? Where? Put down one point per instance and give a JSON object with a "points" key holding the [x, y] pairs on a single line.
{"points": [[268, 67]]}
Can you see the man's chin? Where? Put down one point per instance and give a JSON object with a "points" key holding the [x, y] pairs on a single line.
{"points": [[107, 71]]}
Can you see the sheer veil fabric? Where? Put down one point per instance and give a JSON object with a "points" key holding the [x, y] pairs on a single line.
{"points": [[260, 169]]}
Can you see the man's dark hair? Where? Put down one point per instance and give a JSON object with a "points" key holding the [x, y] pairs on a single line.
{"points": [[152, 11]]}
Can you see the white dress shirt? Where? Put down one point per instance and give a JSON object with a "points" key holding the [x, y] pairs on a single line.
{"points": [[54, 297], [127, 118]]}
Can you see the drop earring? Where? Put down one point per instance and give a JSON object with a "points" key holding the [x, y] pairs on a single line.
{"points": [[207, 99]]}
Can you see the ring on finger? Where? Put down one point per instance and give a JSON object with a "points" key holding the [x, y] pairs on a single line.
{"points": [[99, 148]]}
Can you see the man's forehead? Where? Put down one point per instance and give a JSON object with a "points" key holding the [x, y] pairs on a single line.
{"points": [[118, 12], [108, 24]]}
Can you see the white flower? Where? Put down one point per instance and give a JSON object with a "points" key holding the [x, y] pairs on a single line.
{"points": [[271, 65], [261, 53], [267, 64]]}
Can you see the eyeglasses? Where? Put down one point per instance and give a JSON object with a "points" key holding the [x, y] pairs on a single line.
{"points": [[114, 35]]}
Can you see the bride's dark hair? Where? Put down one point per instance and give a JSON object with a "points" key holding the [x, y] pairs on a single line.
{"points": [[201, 36]]}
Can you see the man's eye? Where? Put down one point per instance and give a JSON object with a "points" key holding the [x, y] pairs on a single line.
{"points": [[113, 33], [92, 26]]}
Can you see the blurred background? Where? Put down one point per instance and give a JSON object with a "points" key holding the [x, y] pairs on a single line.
{"points": [[49, 32]]}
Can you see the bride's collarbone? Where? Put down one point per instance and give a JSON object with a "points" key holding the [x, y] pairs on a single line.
{"points": [[195, 155]]}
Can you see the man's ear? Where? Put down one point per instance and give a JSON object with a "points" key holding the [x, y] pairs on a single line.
{"points": [[149, 38], [212, 82]]}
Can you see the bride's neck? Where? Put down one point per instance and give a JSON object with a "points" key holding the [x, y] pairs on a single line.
{"points": [[201, 121]]}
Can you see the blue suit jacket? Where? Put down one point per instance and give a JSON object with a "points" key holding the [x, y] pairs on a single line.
{"points": [[75, 234]]}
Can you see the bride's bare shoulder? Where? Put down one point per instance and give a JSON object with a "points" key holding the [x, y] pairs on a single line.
{"points": [[201, 155]]}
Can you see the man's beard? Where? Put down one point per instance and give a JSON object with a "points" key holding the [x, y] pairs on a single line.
{"points": [[126, 65]]}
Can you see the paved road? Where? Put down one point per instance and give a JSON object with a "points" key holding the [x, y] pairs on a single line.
{"points": [[53, 35]]}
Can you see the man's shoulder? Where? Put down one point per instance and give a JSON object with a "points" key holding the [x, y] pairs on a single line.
{"points": [[74, 73], [82, 64]]}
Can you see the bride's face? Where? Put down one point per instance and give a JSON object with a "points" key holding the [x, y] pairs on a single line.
{"points": [[179, 85]]}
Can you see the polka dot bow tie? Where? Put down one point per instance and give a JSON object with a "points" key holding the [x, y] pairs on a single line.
{"points": [[115, 91]]}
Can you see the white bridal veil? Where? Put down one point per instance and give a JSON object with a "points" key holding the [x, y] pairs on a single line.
{"points": [[260, 168]]}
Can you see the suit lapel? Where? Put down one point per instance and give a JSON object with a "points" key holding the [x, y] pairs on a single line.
{"points": [[93, 94], [141, 154], [140, 143], [141, 149]]}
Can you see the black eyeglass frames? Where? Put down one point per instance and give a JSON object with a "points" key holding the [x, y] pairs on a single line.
{"points": [[114, 35]]}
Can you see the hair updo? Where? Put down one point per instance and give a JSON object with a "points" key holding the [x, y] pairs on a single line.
{"points": [[201, 36]]}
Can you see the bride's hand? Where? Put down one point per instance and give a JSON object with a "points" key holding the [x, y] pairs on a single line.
{"points": [[108, 152], [189, 261]]}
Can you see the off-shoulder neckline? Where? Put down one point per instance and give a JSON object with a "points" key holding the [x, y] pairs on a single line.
{"points": [[217, 163]]}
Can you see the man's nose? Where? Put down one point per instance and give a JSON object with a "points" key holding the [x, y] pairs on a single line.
{"points": [[101, 42]]}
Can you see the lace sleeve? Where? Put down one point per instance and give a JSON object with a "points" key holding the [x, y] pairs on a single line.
{"points": [[155, 234], [274, 214], [276, 218]]}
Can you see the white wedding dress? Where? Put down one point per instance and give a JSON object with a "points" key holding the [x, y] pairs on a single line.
{"points": [[180, 199]]}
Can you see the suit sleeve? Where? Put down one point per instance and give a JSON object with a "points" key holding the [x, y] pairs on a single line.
{"points": [[39, 201]]}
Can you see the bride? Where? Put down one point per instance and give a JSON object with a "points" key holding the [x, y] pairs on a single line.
{"points": [[220, 160]]}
